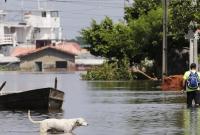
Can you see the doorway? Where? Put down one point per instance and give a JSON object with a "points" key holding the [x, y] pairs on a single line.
{"points": [[38, 66]]}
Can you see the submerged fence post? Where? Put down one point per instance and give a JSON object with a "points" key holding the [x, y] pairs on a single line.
{"points": [[3, 84], [55, 83]]}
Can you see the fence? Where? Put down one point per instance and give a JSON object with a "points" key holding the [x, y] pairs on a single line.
{"points": [[6, 39]]}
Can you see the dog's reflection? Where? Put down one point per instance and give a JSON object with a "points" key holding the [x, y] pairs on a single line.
{"points": [[57, 133]]}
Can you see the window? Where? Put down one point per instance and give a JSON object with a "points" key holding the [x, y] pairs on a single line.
{"points": [[54, 13], [44, 14], [61, 64], [36, 30]]}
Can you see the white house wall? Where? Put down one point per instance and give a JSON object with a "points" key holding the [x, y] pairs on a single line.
{"points": [[36, 27], [1, 33], [60, 33], [29, 36], [45, 33], [1, 30], [20, 35], [6, 30], [39, 21]]}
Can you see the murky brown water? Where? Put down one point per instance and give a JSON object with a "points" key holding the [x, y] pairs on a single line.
{"points": [[111, 108]]}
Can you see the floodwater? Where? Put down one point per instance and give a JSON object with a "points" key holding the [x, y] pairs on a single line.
{"points": [[110, 108]]}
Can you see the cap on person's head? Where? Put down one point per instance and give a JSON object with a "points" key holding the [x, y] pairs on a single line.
{"points": [[193, 66]]}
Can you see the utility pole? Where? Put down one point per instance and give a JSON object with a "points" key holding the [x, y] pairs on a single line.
{"points": [[193, 38], [22, 10], [127, 3], [164, 49], [38, 4]]}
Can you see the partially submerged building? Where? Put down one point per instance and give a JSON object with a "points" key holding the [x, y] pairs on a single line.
{"points": [[59, 57], [36, 41]]}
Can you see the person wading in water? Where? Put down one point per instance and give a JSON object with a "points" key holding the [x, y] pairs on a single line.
{"points": [[191, 80]]}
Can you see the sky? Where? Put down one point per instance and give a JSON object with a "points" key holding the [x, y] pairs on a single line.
{"points": [[75, 14]]}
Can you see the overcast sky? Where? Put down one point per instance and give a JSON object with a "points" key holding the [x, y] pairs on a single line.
{"points": [[75, 14]]}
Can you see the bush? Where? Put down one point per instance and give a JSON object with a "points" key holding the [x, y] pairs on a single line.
{"points": [[110, 71]]}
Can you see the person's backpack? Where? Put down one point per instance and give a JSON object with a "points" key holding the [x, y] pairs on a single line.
{"points": [[193, 80]]}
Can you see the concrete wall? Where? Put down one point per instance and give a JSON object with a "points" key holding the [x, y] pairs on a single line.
{"points": [[36, 20], [9, 66], [48, 57]]}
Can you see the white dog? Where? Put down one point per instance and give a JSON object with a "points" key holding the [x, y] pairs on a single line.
{"points": [[63, 125]]}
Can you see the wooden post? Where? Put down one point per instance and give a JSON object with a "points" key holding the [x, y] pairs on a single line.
{"points": [[191, 55], [3, 84], [55, 83]]}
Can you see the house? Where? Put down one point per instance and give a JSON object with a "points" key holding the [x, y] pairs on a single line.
{"points": [[40, 27], [47, 58], [37, 28]]}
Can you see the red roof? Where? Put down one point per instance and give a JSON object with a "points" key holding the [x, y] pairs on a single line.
{"points": [[69, 48], [21, 50]]}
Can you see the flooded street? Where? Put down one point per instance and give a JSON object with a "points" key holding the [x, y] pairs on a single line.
{"points": [[111, 108]]}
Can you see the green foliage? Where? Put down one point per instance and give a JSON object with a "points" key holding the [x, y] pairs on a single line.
{"points": [[122, 71], [140, 36], [182, 12], [109, 40], [139, 8], [104, 72], [110, 71], [147, 34], [7, 68], [95, 36]]}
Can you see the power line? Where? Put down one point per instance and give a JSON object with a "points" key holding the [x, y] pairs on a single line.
{"points": [[79, 2], [92, 3], [94, 14]]}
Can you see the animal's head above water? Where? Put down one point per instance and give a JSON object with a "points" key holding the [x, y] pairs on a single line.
{"points": [[81, 122]]}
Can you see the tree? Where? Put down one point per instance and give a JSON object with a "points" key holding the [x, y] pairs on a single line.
{"points": [[95, 36], [182, 12], [109, 40], [141, 35], [147, 36], [139, 8]]}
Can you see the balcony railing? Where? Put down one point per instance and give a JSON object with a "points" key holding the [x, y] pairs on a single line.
{"points": [[7, 39]]}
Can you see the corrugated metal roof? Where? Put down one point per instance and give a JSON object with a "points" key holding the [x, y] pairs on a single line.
{"points": [[89, 61], [86, 58], [9, 59]]}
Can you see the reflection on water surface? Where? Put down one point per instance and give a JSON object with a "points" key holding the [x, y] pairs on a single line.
{"points": [[111, 108]]}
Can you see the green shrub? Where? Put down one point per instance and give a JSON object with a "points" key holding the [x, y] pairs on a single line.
{"points": [[110, 71]]}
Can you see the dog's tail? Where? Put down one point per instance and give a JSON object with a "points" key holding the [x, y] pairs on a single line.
{"points": [[29, 116]]}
